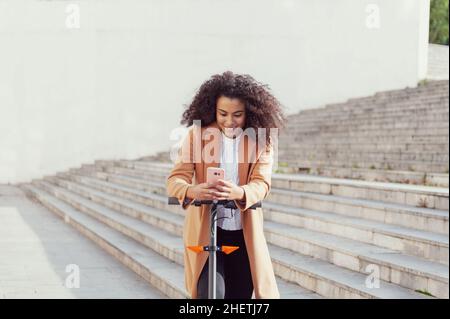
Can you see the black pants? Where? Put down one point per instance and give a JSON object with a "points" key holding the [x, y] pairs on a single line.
{"points": [[234, 279]]}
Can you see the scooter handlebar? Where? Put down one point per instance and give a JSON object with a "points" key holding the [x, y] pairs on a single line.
{"points": [[226, 203]]}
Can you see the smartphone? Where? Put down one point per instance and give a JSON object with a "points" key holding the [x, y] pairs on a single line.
{"points": [[214, 173]]}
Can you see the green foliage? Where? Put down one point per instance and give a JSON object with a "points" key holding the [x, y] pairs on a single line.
{"points": [[438, 22], [425, 292]]}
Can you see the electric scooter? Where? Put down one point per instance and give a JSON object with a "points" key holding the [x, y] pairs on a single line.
{"points": [[213, 248]]}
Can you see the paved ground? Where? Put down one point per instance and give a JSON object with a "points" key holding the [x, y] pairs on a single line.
{"points": [[36, 246]]}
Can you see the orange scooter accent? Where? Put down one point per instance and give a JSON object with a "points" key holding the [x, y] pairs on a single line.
{"points": [[196, 249], [225, 249], [229, 249]]}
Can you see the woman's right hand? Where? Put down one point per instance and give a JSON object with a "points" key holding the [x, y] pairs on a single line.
{"points": [[203, 191]]}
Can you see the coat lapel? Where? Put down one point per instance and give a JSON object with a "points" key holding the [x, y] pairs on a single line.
{"points": [[212, 150]]}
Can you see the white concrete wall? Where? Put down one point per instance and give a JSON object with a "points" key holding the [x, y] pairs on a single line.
{"points": [[438, 62], [115, 87]]}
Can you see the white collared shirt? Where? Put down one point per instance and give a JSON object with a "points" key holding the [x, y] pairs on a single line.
{"points": [[230, 219]]}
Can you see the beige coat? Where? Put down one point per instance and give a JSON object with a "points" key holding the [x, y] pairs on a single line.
{"points": [[255, 170]]}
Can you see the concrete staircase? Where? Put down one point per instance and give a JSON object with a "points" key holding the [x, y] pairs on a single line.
{"points": [[393, 136], [327, 236]]}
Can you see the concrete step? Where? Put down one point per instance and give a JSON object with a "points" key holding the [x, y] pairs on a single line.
{"points": [[384, 103], [427, 274], [360, 156], [409, 151], [165, 244], [430, 246], [403, 270], [155, 236], [412, 195], [430, 220], [161, 273], [388, 101], [153, 176], [374, 155], [409, 198], [420, 92], [421, 153], [372, 175], [372, 151], [401, 140], [302, 143], [356, 127], [426, 219], [372, 114], [422, 244], [410, 172], [321, 133], [343, 146], [372, 160], [377, 132], [376, 107], [410, 119], [332, 281], [389, 109], [428, 87], [413, 166]]}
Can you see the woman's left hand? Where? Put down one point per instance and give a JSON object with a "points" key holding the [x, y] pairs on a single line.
{"points": [[227, 190]]}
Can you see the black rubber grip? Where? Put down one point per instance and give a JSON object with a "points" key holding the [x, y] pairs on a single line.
{"points": [[173, 201], [226, 203]]}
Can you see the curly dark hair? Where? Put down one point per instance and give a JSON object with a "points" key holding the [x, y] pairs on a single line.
{"points": [[262, 109]]}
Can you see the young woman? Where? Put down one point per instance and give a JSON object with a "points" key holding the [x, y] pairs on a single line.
{"points": [[231, 105]]}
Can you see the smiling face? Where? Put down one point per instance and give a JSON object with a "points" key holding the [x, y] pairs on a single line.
{"points": [[230, 114]]}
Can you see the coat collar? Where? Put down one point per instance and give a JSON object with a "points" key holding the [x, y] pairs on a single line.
{"points": [[212, 149]]}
